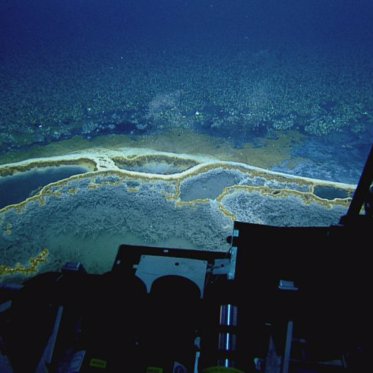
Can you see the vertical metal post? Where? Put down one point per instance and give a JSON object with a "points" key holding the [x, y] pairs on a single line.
{"points": [[362, 188], [287, 351]]}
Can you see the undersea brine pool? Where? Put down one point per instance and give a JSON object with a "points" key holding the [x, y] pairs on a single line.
{"points": [[162, 122]]}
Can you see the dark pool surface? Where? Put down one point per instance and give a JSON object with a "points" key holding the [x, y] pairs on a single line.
{"points": [[18, 187], [329, 192]]}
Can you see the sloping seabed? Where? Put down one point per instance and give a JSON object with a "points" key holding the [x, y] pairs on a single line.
{"points": [[187, 202], [248, 92]]}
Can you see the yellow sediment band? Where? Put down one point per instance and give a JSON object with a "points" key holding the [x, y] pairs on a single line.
{"points": [[34, 264]]}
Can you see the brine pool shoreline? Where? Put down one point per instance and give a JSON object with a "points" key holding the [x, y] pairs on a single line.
{"points": [[150, 197]]}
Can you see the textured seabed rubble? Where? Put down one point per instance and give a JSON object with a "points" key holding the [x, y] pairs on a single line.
{"points": [[85, 217], [237, 94]]}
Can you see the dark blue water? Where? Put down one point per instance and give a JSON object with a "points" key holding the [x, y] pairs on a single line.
{"points": [[241, 69], [58, 25]]}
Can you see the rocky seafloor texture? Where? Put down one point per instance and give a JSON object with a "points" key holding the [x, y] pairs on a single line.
{"points": [[141, 196], [245, 94]]}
